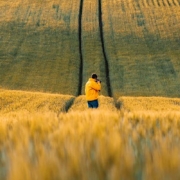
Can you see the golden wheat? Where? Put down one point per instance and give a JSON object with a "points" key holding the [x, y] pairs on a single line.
{"points": [[13, 101], [39, 141], [149, 104], [94, 144]]}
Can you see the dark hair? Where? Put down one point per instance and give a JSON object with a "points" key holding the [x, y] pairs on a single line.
{"points": [[94, 76]]}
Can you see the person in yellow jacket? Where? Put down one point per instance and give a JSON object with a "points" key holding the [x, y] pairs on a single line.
{"points": [[92, 89]]}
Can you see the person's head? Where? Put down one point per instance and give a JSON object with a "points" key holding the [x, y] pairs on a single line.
{"points": [[94, 76]]}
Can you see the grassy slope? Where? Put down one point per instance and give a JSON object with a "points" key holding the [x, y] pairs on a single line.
{"points": [[40, 46], [142, 44], [93, 60]]}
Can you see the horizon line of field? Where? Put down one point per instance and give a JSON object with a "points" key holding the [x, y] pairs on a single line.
{"points": [[80, 22]]}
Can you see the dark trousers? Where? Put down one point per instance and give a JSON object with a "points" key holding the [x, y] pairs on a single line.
{"points": [[93, 104]]}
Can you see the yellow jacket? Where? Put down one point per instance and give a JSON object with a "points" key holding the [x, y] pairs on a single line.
{"points": [[92, 89]]}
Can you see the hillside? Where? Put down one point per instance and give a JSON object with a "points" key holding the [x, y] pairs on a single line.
{"points": [[54, 46]]}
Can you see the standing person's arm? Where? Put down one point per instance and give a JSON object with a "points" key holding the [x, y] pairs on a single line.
{"points": [[96, 85]]}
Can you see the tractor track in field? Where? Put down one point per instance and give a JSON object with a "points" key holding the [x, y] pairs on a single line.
{"points": [[80, 32], [80, 22], [80, 48], [103, 49]]}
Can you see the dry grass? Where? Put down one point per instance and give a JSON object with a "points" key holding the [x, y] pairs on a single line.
{"points": [[136, 104], [40, 52], [39, 141], [80, 104], [13, 101], [96, 145]]}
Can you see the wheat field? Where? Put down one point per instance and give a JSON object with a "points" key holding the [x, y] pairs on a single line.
{"points": [[96, 145], [142, 47], [48, 50], [50, 136], [54, 46]]}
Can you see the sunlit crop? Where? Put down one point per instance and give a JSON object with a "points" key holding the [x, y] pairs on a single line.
{"points": [[95, 145], [54, 46], [138, 141]]}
